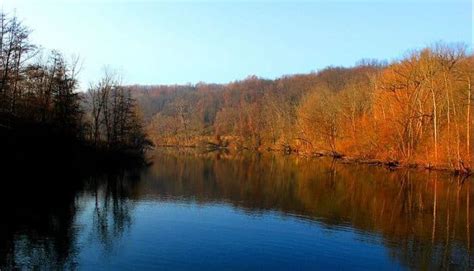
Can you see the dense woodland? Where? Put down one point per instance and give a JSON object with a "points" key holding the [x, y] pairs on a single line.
{"points": [[416, 110], [43, 117]]}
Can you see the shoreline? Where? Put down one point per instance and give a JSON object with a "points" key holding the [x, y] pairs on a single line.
{"points": [[342, 158]]}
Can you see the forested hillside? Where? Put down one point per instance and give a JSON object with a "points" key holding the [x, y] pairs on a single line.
{"points": [[416, 110]]}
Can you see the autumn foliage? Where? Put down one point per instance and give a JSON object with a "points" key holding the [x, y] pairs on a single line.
{"points": [[416, 110]]}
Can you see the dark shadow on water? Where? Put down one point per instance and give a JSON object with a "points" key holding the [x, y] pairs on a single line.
{"points": [[38, 212]]}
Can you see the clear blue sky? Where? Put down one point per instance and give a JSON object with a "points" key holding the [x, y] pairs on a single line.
{"points": [[154, 42]]}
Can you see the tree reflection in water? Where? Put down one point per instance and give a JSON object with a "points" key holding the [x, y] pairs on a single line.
{"points": [[37, 228], [112, 208], [424, 219]]}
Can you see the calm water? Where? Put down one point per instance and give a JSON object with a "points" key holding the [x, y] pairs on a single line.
{"points": [[192, 211]]}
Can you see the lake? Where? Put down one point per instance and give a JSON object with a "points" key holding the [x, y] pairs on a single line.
{"points": [[192, 210]]}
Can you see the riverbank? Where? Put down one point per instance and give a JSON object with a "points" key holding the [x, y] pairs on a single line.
{"points": [[391, 164], [224, 144]]}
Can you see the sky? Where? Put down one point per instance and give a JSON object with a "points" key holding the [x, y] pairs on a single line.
{"points": [[158, 42]]}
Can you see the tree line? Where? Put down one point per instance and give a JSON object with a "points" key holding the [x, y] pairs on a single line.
{"points": [[416, 110], [114, 116], [40, 101]]}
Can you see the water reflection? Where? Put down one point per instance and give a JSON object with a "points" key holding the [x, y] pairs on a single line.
{"points": [[39, 229], [423, 220], [36, 229], [111, 213]]}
